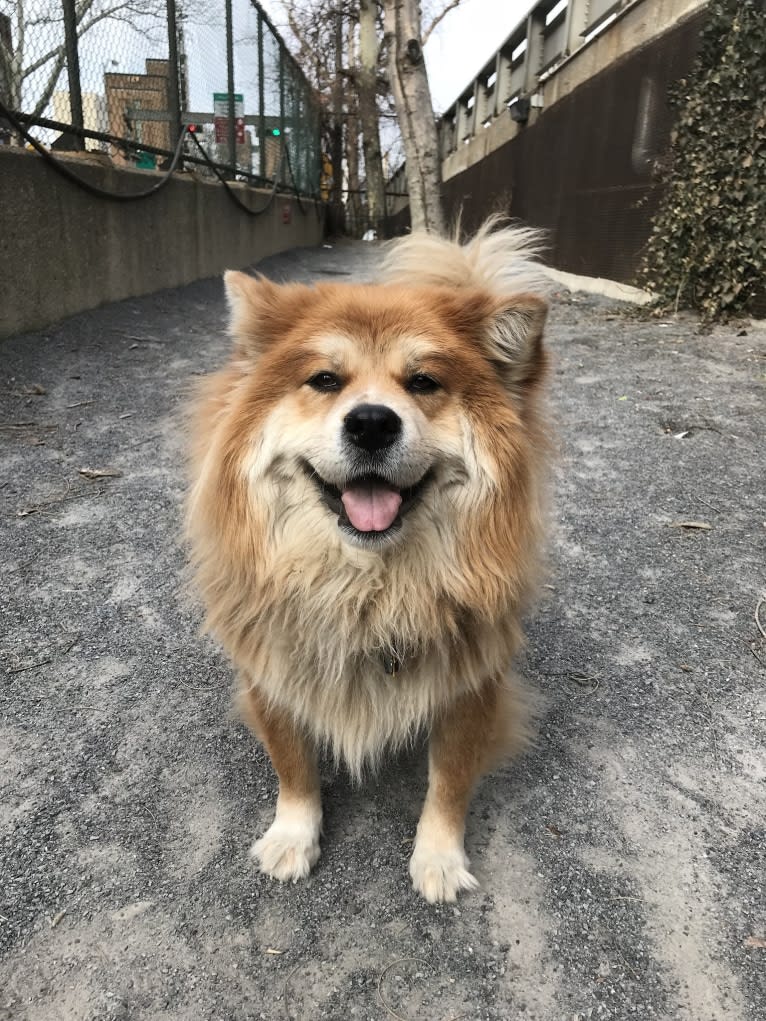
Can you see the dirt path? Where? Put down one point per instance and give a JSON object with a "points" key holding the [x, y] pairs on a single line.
{"points": [[623, 872]]}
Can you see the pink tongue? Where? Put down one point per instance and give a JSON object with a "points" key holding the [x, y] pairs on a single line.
{"points": [[371, 508]]}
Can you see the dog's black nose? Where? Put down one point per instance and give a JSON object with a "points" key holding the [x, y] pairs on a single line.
{"points": [[372, 426]]}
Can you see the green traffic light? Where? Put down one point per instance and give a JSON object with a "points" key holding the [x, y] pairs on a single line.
{"points": [[276, 132]]}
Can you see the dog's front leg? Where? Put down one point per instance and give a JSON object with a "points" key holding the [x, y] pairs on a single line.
{"points": [[289, 849], [464, 743]]}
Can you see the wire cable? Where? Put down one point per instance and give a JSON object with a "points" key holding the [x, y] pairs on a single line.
{"points": [[104, 193], [284, 156], [93, 189], [230, 191]]}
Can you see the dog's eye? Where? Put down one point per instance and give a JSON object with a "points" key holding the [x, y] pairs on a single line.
{"points": [[420, 383], [325, 382]]}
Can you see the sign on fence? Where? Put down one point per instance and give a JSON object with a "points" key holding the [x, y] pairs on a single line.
{"points": [[221, 117]]}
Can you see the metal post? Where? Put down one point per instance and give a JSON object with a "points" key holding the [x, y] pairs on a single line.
{"points": [[577, 23], [230, 86], [281, 91], [261, 97], [174, 101], [73, 69], [533, 58], [282, 135]]}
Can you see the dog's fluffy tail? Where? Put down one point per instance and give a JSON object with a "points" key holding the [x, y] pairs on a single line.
{"points": [[499, 258]]}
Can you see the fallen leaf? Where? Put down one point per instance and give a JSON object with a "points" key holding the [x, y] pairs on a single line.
{"points": [[38, 390], [57, 918], [624, 398], [101, 473], [271, 950], [557, 833], [756, 941], [700, 525]]}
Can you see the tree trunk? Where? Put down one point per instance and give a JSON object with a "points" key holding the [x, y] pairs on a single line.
{"points": [[354, 201], [369, 49], [336, 152], [409, 84]]}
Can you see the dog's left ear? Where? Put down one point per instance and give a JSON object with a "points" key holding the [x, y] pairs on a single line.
{"points": [[513, 338]]}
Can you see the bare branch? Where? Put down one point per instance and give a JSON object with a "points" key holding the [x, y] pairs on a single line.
{"points": [[438, 19], [56, 52], [50, 85]]}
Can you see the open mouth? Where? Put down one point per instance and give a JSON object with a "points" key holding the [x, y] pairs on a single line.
{"points": [[368, 507]]}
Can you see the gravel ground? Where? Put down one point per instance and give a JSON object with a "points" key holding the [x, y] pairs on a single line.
{"points": [[621, 859]]}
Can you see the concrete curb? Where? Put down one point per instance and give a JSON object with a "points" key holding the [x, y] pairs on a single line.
{"points": [[598, 285]]}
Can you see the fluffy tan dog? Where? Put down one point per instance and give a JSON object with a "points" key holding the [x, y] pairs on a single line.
{"points": [[364, 517]]}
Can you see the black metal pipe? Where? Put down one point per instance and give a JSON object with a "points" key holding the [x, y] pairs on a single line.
{"points": [[261, 97], [174, 100], [130, 144], [230, 84], [73, 66], [282, 92]]}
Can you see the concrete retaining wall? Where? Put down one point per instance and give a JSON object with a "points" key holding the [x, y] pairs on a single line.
{"points": [[63, 250]]}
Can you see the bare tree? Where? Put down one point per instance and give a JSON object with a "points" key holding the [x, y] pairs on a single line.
{"points": [[409, 83], [382, 54]]}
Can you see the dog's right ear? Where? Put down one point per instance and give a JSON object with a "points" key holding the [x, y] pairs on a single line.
{"points": [[261, 311], [249, 300]]}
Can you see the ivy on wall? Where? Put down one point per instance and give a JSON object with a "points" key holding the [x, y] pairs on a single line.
{"points": [[707, 250]]}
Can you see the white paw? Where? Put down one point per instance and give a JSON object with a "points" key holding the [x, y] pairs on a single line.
{"points": [[289, 848], [440, 875]]}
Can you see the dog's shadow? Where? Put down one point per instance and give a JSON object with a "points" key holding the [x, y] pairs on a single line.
{"points": [[386, 798], [387, 801]]}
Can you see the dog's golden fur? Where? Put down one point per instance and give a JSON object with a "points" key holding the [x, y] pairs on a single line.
{"points": [[310, 616]]}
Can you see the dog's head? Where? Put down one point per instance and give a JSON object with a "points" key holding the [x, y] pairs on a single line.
{"points": [[375, 412]]}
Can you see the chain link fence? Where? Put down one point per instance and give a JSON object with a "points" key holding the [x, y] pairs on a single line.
{"points": [[144, 81]]}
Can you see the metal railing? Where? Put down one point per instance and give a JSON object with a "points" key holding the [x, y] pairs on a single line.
{"points": [[135, 78]]}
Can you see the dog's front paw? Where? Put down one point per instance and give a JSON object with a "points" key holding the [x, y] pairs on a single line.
{"points": [[440, 875], [289, 848]]}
